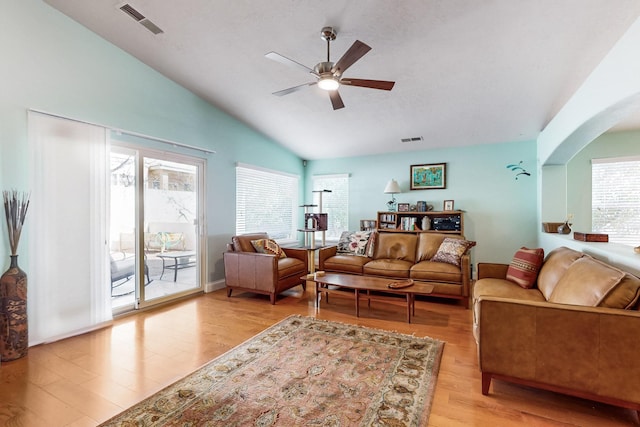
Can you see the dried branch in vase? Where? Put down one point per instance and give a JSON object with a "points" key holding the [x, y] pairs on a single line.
{"points": [[15, 209]]}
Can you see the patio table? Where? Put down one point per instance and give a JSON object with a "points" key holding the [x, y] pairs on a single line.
{"points": [[180, 260]]}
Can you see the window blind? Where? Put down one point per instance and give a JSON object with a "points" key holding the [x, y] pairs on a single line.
{"points": [[335, 204], [615, 199], [266, 201]]}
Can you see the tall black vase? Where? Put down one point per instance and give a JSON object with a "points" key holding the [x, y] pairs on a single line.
{"points": [[14, 333]]}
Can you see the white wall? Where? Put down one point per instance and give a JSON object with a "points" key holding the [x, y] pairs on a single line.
{"points": [[609, 95]]}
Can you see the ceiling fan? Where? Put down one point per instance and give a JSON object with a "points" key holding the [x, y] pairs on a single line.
{"points": [[329, 74]]}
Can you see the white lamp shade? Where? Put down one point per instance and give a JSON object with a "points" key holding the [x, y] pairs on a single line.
{"points": [[392, 187]]}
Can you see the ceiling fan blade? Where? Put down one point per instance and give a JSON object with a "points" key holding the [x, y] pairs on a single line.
{"points": [[290, 62], [293, 89], [355, 52], [372, 84], [336, 100]]}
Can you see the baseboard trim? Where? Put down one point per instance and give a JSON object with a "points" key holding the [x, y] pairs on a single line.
{"points": [[214, 286]]}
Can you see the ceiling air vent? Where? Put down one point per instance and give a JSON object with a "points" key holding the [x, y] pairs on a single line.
{"points": [[132, 12], [129, 10], [151, 26], [412, 139]]}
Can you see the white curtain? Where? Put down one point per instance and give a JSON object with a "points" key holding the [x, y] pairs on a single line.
{"points": [[68, 267]]}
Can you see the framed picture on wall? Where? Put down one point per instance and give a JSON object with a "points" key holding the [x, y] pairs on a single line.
{"points": [[403, 207], [429, 176], [448, 205]]}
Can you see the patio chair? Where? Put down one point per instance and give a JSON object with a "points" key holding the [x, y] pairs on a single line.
{"points": [[123, 268]]}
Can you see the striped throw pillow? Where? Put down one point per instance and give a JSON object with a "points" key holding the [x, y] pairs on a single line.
{"points": [[525, 266]]}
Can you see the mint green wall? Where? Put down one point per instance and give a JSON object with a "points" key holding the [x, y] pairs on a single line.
{"points": [[578, 176], [500, 211], [53, 64], [573, 182], [618, 144]]}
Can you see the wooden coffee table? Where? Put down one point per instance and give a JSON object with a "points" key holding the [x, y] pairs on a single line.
{"points": [[369, 284]]}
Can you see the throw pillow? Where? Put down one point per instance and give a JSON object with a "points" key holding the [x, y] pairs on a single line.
{"points": [[268, 246], [586, 282], [451, 250], [525, 266], [371, 243], [356, 243]]}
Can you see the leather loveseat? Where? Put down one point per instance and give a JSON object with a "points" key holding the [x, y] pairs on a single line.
{"points": [[245, 269], [575, 331], [403, 256]]}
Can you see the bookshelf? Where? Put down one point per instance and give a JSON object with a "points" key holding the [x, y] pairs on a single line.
{"points": [[451, 222], [368, 224]]}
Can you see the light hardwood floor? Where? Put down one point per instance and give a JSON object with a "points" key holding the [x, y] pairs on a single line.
{"points": [[85, 380]]}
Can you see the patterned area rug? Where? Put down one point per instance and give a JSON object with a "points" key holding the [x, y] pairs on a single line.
{"points": [[303, 371]]}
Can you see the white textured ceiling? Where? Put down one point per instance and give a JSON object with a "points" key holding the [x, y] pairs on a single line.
{"points": [[466, 71]]}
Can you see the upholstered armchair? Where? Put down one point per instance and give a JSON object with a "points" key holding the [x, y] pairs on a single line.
{"points": [[267, 273]]}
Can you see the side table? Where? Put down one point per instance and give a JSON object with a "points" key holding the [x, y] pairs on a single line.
{"points": [[311, 256]]}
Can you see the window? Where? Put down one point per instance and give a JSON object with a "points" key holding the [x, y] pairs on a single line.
{"points": [[266, 201], [335, 204], [615, 205]]}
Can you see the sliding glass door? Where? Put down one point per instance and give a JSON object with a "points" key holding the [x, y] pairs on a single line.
{"points": [[155, 226], [115, 223]]}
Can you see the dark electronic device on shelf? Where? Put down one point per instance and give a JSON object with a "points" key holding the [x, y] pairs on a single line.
{"points": [[446, 223]]}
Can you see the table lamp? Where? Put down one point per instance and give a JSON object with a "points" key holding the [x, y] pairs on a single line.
{"points": [[392, 188]]}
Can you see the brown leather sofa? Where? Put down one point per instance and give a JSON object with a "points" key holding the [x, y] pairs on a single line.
{"points": [[575, 332], [250, 271], [402, 256]]}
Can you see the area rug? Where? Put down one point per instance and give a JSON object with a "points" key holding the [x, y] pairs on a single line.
{"points": [[303, 372]]}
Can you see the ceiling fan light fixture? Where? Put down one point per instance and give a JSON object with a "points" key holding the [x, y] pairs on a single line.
{"points": [[328, 83]]}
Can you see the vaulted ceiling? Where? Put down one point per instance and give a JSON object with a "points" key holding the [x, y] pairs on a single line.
{"points": [[466, 72]]}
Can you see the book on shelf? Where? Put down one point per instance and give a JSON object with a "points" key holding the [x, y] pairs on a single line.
{"points": [[408, 223], [388, 218]]}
